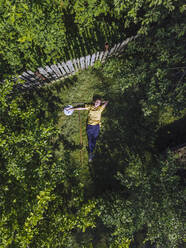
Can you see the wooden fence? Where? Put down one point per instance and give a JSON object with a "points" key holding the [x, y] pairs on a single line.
{"points": [[62, 70]]}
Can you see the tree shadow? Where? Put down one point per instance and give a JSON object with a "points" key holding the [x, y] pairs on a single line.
{"points": [[125, 132], [91, 40], [61, 139], [47, 101], [171, 135]]}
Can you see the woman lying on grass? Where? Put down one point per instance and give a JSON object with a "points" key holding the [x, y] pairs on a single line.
{"points": [[93, 122]]}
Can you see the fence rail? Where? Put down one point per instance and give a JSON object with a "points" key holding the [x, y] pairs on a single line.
{"points": [[63, 69]]}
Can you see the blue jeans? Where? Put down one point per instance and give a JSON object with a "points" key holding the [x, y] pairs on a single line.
{"points": [[92, 134]]}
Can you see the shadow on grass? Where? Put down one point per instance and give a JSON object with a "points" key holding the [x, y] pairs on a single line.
{"points": [[125, 131], [47, 100], [171, 135], [71, 146]]}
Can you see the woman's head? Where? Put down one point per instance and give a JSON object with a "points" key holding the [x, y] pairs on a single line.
{"points": [[97, 100], [97, 103]]}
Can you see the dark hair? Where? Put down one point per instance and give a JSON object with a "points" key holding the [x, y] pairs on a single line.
{"points": [[96, 97]]}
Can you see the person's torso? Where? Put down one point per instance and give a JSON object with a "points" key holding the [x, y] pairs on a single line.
{"points": [[94, 115]]}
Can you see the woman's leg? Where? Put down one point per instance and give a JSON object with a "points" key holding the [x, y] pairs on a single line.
{"points": [[92, 134], [95, 135], [90, 138]]}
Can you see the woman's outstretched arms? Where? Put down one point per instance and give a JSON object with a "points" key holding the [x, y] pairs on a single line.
{"points": [[78, 108]]}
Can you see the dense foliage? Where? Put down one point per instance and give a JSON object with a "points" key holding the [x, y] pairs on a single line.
{"points": [[132, 195], [35, 33]]}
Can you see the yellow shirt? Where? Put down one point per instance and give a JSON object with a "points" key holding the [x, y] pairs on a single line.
{"points": [[94, 114]]}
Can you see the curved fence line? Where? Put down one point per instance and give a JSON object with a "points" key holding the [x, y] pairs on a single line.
{"points": [[63, 69]]}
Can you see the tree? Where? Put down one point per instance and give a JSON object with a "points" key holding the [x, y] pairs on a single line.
{"points": [[32, 177], [150, 204], [36, 33]]}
